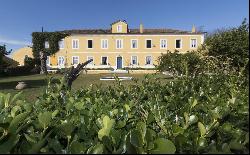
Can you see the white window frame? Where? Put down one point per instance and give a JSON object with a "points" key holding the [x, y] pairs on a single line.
{"points": [[48, 58], [62, 40], [88, 44], [119, 28], [63, 61], [102, 41], [132, 43], [73, 43], [151, 59], [195, 43], [107, 60], [146, 43], [91, 63], [165, 45], [117, 44], [46, 44], [132, 59], [72, 60], [180, 43]]}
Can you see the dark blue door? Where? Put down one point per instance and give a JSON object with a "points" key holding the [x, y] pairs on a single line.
{"points": [[119, 62]]}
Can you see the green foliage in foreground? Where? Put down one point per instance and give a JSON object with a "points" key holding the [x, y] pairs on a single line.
{"points": [[200, 114]]}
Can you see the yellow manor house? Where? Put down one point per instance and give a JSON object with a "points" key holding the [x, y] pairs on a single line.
{"points": [[118, 47]]}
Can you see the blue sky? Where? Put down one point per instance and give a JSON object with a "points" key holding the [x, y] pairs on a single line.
{"points": [[19, 18]]}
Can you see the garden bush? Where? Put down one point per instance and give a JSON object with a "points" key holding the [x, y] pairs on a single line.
{"points": [[191, 114], [179, 63], [18, 70]]}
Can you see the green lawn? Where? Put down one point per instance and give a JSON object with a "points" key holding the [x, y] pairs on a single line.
{"points": [[37, 83]]}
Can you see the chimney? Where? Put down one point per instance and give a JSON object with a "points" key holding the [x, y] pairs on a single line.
{"points": [[141, 28], [193, 29]]}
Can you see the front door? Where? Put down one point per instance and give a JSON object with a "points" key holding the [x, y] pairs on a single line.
{"points": [[118, 62]]}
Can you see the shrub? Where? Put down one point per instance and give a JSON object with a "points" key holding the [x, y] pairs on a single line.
{"points": [[179, 63], [19, 70], [200, 114]]}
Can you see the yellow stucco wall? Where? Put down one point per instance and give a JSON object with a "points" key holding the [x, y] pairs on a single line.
{"points": [[124, 27], [126, 52], [20, 54]]}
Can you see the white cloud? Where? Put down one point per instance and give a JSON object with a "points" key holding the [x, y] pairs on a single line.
{"points": [[13, 41]]}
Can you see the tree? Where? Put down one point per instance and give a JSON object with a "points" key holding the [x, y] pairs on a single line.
{"points": [[231, 43], [3, 52], [39, 50]]}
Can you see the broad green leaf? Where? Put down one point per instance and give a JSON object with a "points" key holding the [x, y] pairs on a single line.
{"points": [[234, 145], [177, 130], [116, 136], [14, 124], [88, 99], [14, 110], [202, 129], [141, 126], [186, 118], [79, 105], [193, 119], [194, 103], [76, 147], [37, 146], [71, 99], [150, 118], [107, 125], [30, 138], [7, 99], [6, 146], [97, 149], [246, 139], [44, 119], [150, 135], [15, 97], [67, 128], [55, 145], [202, 142], [120, 124], [163, 146], [54, 113], [127, 108], [225, 148], [136, 138]]}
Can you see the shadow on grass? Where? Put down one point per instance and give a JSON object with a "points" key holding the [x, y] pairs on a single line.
{"points": [[30, 83]]}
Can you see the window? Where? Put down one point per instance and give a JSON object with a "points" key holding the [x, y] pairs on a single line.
{"points": [[119, 28], [163, 43], [104, 60], [178, 43], [119, 44], [46, 44], [193, 43], [90, 43], [75, 44], [61, 44], [89, 58], [75, 60], [48, 61], [134, 43], [148, 60], [148, 43], [134, 60], [104, 43], [61, 61]]}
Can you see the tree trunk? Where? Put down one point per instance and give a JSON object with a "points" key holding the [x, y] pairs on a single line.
{"points": [[74, 73], [43, 58]]}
